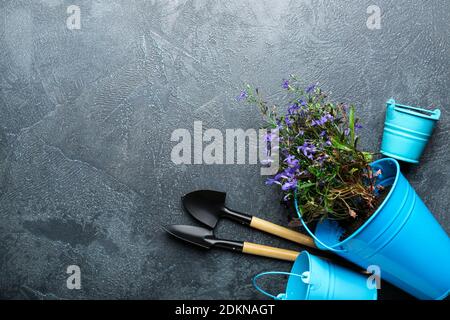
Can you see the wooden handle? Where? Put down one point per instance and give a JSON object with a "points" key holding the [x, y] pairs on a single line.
{"points": [[282, 232], [270, 252]]}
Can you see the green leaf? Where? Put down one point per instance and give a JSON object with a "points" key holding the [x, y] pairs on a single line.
{"points": [[339, 145], [305, 185], [351, 121], [368, 156]]}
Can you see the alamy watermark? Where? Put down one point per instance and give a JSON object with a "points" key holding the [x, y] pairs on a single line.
{"points": [[234, 146], [74, 280], [374, 20], [374, 280], [73, 21]]}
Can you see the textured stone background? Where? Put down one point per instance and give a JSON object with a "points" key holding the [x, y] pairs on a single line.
{"points": [[86, 117]]}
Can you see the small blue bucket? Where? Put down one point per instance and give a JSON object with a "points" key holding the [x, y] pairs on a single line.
{"points": [[313, 278], [402, 238], [407, 130]]}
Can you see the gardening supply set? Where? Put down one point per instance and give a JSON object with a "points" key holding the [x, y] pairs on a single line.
{"points": [[208, 207], [363, 210]]}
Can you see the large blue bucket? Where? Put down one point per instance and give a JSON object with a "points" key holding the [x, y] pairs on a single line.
{"points": [[402, 237], [313, 278], [407, 130]]}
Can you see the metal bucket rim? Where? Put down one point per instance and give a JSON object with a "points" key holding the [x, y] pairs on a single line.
{"points": [[416, 111]]}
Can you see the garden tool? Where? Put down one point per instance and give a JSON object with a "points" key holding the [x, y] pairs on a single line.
{"points": [[208, 206], [205, 238]]}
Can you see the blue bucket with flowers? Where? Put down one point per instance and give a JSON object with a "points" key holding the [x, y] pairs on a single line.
{"points": [[402, 237]]}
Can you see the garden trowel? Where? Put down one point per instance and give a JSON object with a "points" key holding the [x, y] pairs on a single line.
{"points": [[205, 238], [208, 206]]}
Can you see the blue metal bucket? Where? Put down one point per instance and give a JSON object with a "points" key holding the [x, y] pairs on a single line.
{"points": [[407, 130], [402, 237], [313, 278]]}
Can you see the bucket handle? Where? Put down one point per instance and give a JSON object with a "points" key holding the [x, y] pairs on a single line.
{"points": [[432, 114], [259, 275], [309, 231]]}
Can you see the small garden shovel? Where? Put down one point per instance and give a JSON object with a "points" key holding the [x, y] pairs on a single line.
{"points": [[208, 206], [205, 238]]}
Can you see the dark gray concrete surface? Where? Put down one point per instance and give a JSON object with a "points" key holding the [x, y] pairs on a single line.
{"points": [[86, 118]]}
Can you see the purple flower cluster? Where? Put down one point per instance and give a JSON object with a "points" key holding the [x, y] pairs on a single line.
{"points": [[310, 131], [287, 179], [310, 88], [308, 150], [291, 161], [296, 106], [293, 108], [324, 135], [322, 120], [288, 121], [275, 180]]}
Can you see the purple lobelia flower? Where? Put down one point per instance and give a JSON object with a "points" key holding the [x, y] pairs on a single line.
{"points": [[288, 121], [308, 150], [279, 125], [310, 88], [357, 127], [275, 180], [289, 185], [285, 84], [271, 181], [291, 161], [293, 108], [289, 174], [324, 119], [292, 171], [242, 96]]}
